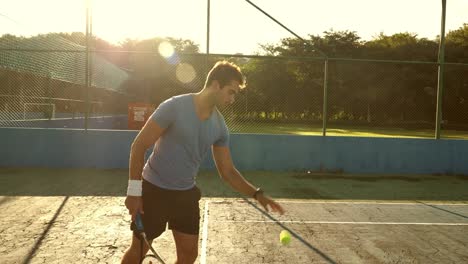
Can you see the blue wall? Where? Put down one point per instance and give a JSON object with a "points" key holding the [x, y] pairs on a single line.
{"points": [[110, 149]]}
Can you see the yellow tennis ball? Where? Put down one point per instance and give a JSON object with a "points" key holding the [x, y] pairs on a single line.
{"points": [[285, 237]]}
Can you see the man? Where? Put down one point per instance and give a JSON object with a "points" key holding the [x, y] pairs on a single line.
{"points": [[183, 128]]}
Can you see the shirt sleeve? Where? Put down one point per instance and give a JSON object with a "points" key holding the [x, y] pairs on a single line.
{"points": [[164, 115]]}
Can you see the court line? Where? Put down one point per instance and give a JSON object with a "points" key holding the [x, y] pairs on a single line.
{"points": [[294, 234], [204, 235], [341, 222], [347, 202], [369, 202]]}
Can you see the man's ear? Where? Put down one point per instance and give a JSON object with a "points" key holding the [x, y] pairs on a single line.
{"points": [[215, 84]]}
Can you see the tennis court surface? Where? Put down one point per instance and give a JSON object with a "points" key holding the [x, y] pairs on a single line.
{"points": [[63, 224]]}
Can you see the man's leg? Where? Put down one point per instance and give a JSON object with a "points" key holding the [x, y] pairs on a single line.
{"points": [[154, 220], [133, 253], [187, 247]]}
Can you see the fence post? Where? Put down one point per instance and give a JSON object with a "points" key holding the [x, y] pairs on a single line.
{"points": [[325, 98], [86, 106], [207, 66], [440, 84]]}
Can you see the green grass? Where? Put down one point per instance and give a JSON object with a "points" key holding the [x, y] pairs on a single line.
{"points": [[354, 131], [294, 185]]}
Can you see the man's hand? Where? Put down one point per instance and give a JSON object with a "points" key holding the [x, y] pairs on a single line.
{"points": [[134, 205], [266, 202]]}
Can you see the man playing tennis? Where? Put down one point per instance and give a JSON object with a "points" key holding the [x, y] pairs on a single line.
{"points": [[182, 129]]}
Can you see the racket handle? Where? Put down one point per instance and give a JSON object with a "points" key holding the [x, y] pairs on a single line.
{"points": [[139, 222]]}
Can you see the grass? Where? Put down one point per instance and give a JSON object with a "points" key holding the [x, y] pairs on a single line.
{"points": [[354, 131], [294, 185]]}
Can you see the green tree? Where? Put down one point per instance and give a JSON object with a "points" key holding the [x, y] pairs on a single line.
{"points": [[455, 106], [153, 75]]}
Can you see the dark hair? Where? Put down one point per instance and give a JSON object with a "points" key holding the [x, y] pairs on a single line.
{"points": [[225, 72]]}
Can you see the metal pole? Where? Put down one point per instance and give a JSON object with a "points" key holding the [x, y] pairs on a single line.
{"points": [[87, 67], [440, 84], [283, 26], [208, 14], [325, 99], [208, 5], [90, 61], [323, 54], [48, 92]]}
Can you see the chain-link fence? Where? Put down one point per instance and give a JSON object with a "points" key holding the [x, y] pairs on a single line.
{"points": [[365, 98], [382, 95], [47, 88], [76, 80], [455, 101], [283, 96]]}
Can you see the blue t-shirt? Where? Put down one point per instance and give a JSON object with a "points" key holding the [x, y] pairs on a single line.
{"points": [[177, 155]]}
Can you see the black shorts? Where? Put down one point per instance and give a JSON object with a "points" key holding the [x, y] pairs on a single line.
{"points": [[179, 209]]}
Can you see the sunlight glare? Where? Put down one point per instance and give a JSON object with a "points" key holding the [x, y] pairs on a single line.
{"points": [[185, 73], [166, 50]]}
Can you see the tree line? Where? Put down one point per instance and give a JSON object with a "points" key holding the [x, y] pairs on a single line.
{"points": [[286, 83]]}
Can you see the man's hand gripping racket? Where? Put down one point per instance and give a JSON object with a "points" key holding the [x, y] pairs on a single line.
{"points": [[154, 257]]}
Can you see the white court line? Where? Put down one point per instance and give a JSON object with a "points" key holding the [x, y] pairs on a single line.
{"points": [[221, 201], [204, 235], [370, 202], [342, 222]]}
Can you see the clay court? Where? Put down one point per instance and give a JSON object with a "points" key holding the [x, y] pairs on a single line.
{"points": [[354, 118], [45, 223]]}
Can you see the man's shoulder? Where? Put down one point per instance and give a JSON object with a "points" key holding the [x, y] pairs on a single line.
{"points": [[177, 99], [182, 97]]}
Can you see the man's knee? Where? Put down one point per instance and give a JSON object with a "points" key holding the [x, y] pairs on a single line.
{"points": [[135, 251]]}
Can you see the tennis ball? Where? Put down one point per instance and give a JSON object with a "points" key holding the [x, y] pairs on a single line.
{"points": [[285, 237]]}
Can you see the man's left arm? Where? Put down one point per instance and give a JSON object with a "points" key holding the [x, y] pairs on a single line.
{"points": [[229, 173]]}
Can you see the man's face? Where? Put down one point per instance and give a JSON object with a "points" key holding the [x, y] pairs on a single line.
{"points": [[227, 94]]}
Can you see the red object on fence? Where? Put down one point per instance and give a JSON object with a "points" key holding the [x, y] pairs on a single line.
{"points": [[138, 114]]}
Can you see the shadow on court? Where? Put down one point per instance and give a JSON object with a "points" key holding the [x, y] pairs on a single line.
{"points": [[295, 185], [294, 234], [445, 210], [39, 241]]}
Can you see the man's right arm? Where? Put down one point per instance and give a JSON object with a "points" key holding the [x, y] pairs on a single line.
{"points": [[148, 135]]}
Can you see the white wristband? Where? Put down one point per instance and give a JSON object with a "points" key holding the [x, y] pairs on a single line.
{"points": [[134, 188]]}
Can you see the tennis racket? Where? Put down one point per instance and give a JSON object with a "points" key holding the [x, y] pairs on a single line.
{"points": [[153, 258]]}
